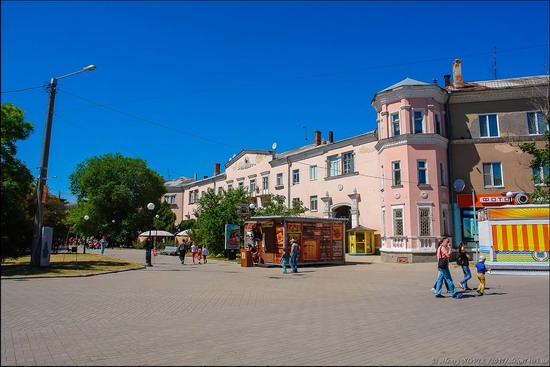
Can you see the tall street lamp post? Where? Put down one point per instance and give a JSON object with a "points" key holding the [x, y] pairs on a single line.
{"points": [[86, 217], [149, 245], [39, 216]]}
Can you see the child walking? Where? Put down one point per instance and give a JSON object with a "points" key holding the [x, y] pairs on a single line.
{"points": [[204, 253], [481, 270], [284, 260], [199, 254]]}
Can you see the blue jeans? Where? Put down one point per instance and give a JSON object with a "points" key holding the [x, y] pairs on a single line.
{"points": [[283, 265], [467, 276], [444, 274], [293, 263]]}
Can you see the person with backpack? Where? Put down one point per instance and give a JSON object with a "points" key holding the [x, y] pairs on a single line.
{"points": [[443, 272], [294, 249], [463, 261], [481, 270]]}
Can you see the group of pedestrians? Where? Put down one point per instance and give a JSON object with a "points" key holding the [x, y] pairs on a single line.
{"points": [[444, 276], [200, 253]]}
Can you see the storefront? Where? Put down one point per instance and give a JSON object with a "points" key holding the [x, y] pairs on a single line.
{"points": [[321, 240]]}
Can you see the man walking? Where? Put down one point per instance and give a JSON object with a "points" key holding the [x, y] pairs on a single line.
{"points": [[182, 251], [293, 255], [148, 249]]}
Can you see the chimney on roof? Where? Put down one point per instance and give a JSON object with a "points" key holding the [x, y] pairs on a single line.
{"points": [[458, 82], [317, 137], [196, 176], [204, 177], [216, 169], [447, 80], [330, 137]]}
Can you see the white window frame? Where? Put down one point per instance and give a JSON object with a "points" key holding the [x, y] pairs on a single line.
{"points": [[423, 112], [384, 221], [313, 173], [396, 171], [395, 122], [492, 174], [488, 126], [252, 185], [437, 123], [348, 163], [333, 166], [422, 207], [313, 203], [170, 199], [419, 169], [539, 121], [394, 209], [442, 174], [265, 182], [539, 174], [382, 178], [295, 176], [279, 180]]}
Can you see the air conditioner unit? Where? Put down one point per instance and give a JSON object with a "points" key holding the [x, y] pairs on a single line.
{"points": [[521, 199]]}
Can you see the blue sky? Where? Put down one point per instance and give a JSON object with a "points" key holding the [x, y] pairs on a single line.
{"points": [[184, 85]]}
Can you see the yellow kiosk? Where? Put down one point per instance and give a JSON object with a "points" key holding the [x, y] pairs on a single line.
{"points": [[361, 241]]}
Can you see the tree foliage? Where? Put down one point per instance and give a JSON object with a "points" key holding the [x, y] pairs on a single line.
{"points": [[114, 187], [541, 156], [214, 212], [17, 180]]}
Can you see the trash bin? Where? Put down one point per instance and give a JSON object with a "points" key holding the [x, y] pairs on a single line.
{"points": [[246, 258], [73, 249]]}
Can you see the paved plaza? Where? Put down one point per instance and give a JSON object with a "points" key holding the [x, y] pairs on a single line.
{"points": [[367, 313]]}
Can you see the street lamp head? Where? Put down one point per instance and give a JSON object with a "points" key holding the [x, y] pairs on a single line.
{"points": [[151, 206], [252, 206], [86, 217], [157, 216], [113, 221], [89, 68]]}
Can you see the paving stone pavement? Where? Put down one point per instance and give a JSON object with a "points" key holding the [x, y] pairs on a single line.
{"points": [[220, 314]]}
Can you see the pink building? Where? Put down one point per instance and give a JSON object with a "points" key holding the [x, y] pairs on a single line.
{"points": [[412, 152]]}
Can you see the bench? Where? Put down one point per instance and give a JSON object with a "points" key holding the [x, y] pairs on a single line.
{"points": [[169, 250]]}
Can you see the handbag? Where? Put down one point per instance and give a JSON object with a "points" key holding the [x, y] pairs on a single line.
{"points": [[443, 263], [459, 261]]}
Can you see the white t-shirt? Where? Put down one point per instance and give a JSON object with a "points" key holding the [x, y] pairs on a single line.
{"points": [[193, 248]]}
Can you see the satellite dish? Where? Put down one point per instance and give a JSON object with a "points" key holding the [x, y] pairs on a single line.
{"points": [[274, 146], [459, 185]]}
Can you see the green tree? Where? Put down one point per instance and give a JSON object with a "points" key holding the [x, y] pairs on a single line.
{"points": [[17, 180], [114, 187], [213, 213], [541, 156], [275, 205]]}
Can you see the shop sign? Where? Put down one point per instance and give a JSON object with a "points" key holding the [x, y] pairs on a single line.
{"points": [[465, 200]]}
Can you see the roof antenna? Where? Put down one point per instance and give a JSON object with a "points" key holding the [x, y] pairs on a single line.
{"points": [[168, 173], [305, 128]]}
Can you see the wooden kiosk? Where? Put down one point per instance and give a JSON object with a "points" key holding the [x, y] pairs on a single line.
{"points": [[361, 241], [321, 240]]}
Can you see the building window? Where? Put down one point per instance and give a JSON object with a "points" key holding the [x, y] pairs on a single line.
{"points": [[384, 221], [252, 185], [492, 174], [295, 176], [425, 221], [348, 163], [540, 176], [229, 187], [488, 126], [240, 184], [313, 203], [220, 190], [396, 128], [536, 123], [418, 121], [170, 199], [398, 221], [265, 182], [437, 123], [191, 197], [445, 216], [279, 179], [333, 163], [422, 168], [313, 173], [396, 173], [442, 174]]}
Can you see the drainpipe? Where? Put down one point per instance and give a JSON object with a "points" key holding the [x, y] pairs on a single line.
{"points": [[457, 236], [288, 164]]}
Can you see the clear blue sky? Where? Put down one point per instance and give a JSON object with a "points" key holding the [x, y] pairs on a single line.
{"points": [[184, 85]]}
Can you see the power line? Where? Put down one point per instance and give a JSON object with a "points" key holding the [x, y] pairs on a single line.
{"points": [[22, 90]]}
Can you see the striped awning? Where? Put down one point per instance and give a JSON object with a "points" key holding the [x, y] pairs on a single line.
{"points": [[520, 237]]}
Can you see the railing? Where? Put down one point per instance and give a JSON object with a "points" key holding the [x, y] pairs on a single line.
{"points": [[399, 243]]}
